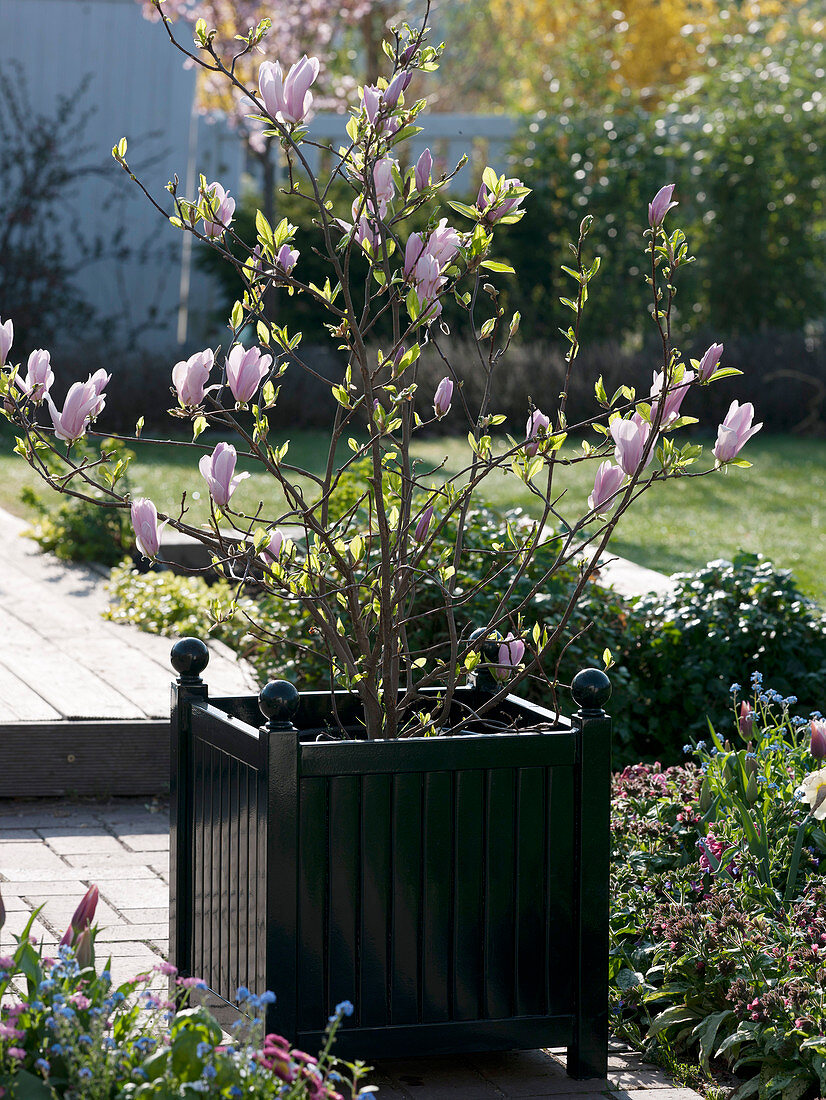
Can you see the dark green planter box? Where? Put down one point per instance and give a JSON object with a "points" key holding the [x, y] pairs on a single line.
{"points": [[454, 889]]}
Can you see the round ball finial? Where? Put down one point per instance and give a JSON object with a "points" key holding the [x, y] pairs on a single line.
{"points": [[591, 689], [189, 658], [278, 702]]}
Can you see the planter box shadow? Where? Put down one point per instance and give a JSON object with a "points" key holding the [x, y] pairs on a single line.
{"points": [[455, 889]]}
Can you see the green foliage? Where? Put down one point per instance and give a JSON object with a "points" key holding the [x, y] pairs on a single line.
{"points": [[718, 902], [682, 651], [78, 530], [73, 1033]]}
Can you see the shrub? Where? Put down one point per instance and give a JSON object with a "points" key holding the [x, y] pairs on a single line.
{"points": [[78, 530], [718, 896], [682, 651], [74, 1034]]}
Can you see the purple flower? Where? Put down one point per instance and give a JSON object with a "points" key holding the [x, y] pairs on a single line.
{"points": [[817, 746], [290, 100], [217, 470], [511, 652], [246, 370], [630, 437], [82, 403], [272, 550], [189, 377], [443, 243], [424, 167], [443, 397], [536, 427], [420, 534], [660, 205], [735, 431], [673, 398], [221, 209], [287, 258], [39, 375], [6, 339], [709, 363], [145, 525], [495, 205], [606, 486]]}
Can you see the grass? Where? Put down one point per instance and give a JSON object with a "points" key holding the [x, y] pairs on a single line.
{"points": [[777, 508]]}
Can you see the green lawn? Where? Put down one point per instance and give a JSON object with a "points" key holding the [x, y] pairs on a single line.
{"points": [[778, 507]]}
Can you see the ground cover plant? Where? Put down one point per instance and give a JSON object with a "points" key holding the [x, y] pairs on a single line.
{"points": [[718, 895], [66, 1031]]}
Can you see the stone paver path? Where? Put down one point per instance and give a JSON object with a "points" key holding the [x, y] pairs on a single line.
{"points": [[51, 851]]}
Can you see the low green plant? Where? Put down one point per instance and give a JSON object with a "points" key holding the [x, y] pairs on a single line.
{"points": [[73, 1034], [718, 923], [75, 529]]}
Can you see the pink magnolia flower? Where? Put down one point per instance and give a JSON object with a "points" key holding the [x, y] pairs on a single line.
{"points": [[424, 167], [272, 550], [422, 527], [709, 362], [443, 243], [660, 205], [286, 259], [537, 424], [817, 746], [217, 470], [246, 370], [606, 486], [413, 251], [289, 100], [442, 398], [383, 182], [145, 525], [396, 88], [81, 405], [189, 377], [6, 339], [371, 98], [673, 398], [630, 437], [511, 652], [366, 232], [222, 208], [735, 431], [39, 375]]}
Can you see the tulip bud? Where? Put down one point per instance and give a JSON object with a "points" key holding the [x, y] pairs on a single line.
{"points": [[85, 912], [752, 790], [442, 398], [750, 764], [817, 746], [83, 948]]}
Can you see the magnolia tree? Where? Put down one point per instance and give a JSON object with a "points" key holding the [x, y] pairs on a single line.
{"points": [[359, 574]]}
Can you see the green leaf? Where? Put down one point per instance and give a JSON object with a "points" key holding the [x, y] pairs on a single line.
{"points": [[237, 316], [264, 230], [599, 392], [724, 372], [199, 425], [497, 265], [463, 208], [676, 1014], [490, 179]]}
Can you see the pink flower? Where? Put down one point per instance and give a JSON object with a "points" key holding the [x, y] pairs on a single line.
{"points": [[289, 100], [673, 398], [221, 208], [246, 370], [6, 962], [511, 652], [630, 437], [735, 431], [494, 208], [145, 525], [817, 746], [85, 912], [745, 720], [217, 470], [190, 377], [442, 398], [39, 375], [371, 97], [81, 405], [397, 86], [272, 550], [413, 251], [606, 486], [660, 205], [443, 243], [535, 428], [16, 1052], [428, 277], [383, 182], [424, 167], [420, 534], [366, 232], [286, 259], [80, 1001], [709, 363], [6, 339]]}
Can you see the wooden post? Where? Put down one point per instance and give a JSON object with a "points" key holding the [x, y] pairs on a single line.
{"points": [[588, 1053], [189, 659]]}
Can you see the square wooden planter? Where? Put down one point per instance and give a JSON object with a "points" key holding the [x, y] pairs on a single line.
{"points": [[455, 889]]}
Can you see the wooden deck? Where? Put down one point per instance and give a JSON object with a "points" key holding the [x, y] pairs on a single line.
{"points": [[60, 661]]}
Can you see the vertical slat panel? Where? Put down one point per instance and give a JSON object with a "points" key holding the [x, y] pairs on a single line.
{"points": [[313, 871], [344, 885], [406, 812], [499, 892], [530, 964], [245, 973], [261, 882], [468, 939], [196, 963], [233, 873], [375, 900], [210, 885], [222, 838], [560, 887], [437, 898]]}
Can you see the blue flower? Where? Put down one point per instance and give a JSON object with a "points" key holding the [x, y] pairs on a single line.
{"points": [[701, 745], [105, 976], [235, 1091], [242, 995], [756, 678], [203, 1049], [688, 748], [209, 1072], [42, 1065], [85, 1074], [735, 688], [344, 1008], [55, 1048]]}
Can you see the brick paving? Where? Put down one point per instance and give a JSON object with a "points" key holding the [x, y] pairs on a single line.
{"points": [[51, 851]]}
